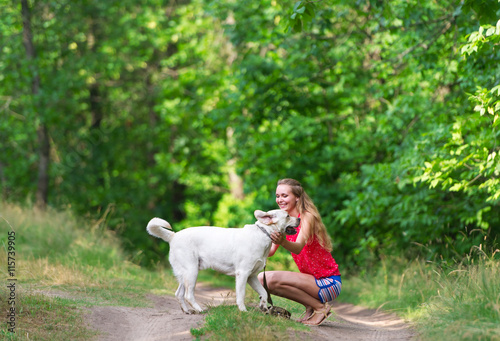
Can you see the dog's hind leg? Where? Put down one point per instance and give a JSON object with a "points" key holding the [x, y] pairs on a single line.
{"points": [[180, 297], [255, 284], [190, 283]]}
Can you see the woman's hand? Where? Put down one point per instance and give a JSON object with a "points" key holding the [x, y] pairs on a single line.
{"points": [[278, 238], [296, 247]]}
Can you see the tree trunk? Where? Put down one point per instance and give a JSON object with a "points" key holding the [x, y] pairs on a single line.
{"points": [[42, 190], [95, 106], [94, 38], [42, 131], [3, 183], [235, 181]]}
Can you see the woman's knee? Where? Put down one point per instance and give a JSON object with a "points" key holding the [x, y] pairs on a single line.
{"points": [[260, 277], [272, 279]]}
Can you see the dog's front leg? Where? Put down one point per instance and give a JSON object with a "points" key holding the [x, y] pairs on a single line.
{"points": [[255, 284], [241, 282]]}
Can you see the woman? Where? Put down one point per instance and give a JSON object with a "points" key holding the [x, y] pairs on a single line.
{"points": [[318, 283]]}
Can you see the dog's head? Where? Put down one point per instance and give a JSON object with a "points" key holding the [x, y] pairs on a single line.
{"points": [[279, 220]]}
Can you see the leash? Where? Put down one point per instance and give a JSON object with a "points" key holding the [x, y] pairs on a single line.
{"points": [[272, 310], [269, 299]]}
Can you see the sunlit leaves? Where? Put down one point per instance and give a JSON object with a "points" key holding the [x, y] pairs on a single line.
{"points": [[388, 112], [303, 13]]}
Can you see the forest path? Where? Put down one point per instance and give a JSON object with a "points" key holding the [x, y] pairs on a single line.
{"points": [[167, 322]]}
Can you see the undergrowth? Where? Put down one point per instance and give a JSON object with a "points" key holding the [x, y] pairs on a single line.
{"points": [[40, 317], [64, 266], [458, 301]]}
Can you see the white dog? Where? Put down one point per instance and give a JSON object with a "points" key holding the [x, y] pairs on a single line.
{"points": [[238, 252]]}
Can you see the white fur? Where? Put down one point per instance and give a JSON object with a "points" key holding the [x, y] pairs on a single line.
{"points": [[238, 252]]}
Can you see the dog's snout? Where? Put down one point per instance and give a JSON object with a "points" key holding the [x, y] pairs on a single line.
{"points": [[291, 229]]}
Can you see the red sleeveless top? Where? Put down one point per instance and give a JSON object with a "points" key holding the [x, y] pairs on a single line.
{"points": [[314, 259]]}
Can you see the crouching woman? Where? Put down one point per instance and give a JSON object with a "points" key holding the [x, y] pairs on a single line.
{"points": [[318, 283]]}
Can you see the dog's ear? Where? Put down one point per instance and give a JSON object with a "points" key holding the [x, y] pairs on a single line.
{"points": [[263, 217]]}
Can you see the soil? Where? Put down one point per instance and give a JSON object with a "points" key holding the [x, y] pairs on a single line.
{"points": [[166, 321]]}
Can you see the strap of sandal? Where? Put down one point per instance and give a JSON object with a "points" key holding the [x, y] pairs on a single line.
{"points": [[325, 310]]}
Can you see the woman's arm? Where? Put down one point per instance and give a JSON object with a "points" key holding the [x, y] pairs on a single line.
{"points": [[273, 249], [297, 246]]}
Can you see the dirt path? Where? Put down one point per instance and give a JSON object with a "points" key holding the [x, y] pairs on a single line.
{"points": [[167, 322], [358, 323]]}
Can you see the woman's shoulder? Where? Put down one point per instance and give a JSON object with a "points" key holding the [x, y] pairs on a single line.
{"points": [[307, 216], [307, 220]]}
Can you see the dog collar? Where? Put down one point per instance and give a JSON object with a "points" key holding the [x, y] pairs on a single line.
{"points": [[263, 230]]}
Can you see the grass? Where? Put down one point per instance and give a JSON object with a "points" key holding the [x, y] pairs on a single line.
{"points": [[457, 302], [226, 322], [44, 318], [84, 264]]}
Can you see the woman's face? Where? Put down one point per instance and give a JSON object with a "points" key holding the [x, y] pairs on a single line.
{"points": [[285, 198]]}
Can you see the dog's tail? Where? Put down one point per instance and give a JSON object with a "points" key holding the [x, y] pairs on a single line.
{"points": [[161, 229]]}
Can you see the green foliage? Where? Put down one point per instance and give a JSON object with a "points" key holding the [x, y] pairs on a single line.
{"points": [[486, 10], [303, 14], [441, 181], [387, 112], [232, 213]]}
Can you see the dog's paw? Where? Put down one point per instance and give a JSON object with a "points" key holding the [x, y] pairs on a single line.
{"points": [[189, 311]]}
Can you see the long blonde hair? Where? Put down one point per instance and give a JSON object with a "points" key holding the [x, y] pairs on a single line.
{"points": [[306, 205]]}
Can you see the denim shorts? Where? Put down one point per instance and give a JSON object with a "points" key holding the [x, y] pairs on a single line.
{"points": [[329, 288]]}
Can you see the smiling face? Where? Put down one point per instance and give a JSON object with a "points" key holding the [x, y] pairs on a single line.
{"points": [[286, 200]]}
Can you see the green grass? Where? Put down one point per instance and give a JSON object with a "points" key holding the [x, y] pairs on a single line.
{"points": [[40, 317], [83, 262], [458, 302], [226, 322]]}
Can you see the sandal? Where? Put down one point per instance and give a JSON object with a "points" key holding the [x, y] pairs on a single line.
{"points": [[303, 316], [326, 313]]}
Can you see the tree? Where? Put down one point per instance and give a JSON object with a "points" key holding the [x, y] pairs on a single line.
{"points": [[193, 110], [42, 131]]}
